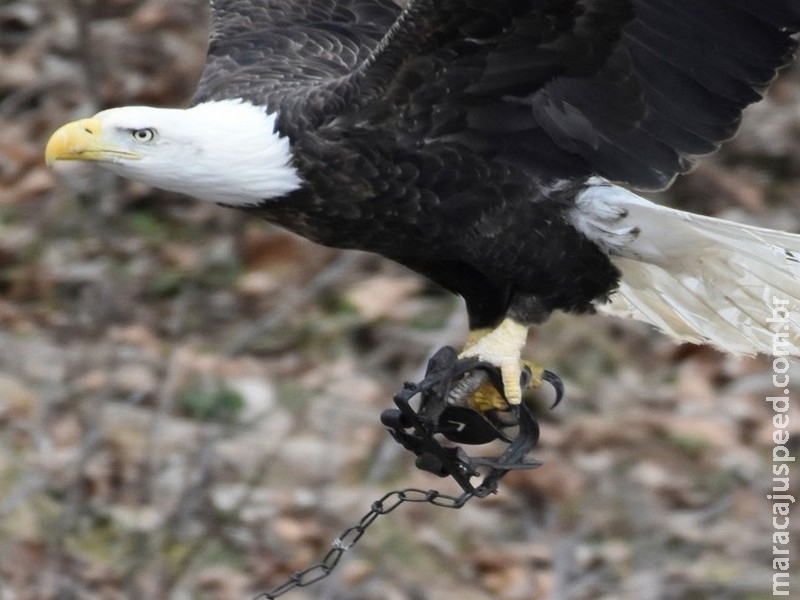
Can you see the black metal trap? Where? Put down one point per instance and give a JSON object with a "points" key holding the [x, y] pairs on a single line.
{"points": [[443, 422]]}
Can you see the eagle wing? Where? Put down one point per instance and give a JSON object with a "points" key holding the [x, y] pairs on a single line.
{"points": [[264, 50], [696, 66], [629, 90]]}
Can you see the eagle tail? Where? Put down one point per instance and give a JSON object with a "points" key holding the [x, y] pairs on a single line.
{"points": [[696, 278]]}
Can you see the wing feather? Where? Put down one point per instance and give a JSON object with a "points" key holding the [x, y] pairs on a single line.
{"points": [[630, 90], [262, 50]]}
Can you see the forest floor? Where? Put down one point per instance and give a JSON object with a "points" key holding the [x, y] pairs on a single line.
{"points": [[190, 399]]}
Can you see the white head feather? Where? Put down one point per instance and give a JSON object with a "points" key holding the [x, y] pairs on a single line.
{"points": [[226, 152]]}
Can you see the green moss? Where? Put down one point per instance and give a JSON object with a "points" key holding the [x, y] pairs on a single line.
{"points": [[149, 225], [294, 397], [693, 445], [167, 283], [211, 404]]}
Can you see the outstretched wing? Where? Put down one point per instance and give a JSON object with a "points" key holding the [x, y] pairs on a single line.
{"points": [[697, 65], [260, 48], [626, 89]]}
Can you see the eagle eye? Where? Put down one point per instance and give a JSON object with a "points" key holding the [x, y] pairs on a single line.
{"points": [[143, 135]]}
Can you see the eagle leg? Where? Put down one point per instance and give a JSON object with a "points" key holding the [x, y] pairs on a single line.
{"points": [[502, 347]]}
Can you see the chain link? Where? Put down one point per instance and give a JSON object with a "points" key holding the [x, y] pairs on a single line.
{"points": [[350, 536], [419, 430]]}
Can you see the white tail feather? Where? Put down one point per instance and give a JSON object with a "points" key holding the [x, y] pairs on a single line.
{"points": [[696, 278]]}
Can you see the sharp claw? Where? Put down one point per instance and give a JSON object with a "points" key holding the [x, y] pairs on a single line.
{"points": [[558, 385], [534, 376], [531, 375], [501, 348]]}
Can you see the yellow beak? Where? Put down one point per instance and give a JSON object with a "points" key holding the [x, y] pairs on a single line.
{"points": [[83, 140]]}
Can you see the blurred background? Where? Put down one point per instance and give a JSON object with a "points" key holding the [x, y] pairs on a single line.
{"points": [[190, 399]]}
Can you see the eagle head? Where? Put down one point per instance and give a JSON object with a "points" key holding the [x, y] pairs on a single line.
{"points": [[228, 151]]}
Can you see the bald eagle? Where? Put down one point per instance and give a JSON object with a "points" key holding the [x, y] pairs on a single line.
{"points": [[490, 146]]}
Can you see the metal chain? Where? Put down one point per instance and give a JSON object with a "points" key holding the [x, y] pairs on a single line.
{"points": [[419, 430], [351, 535]]}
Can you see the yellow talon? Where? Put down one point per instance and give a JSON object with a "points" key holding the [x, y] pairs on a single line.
{"points": [[487, 397], [537, 374], [501, 347]]}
